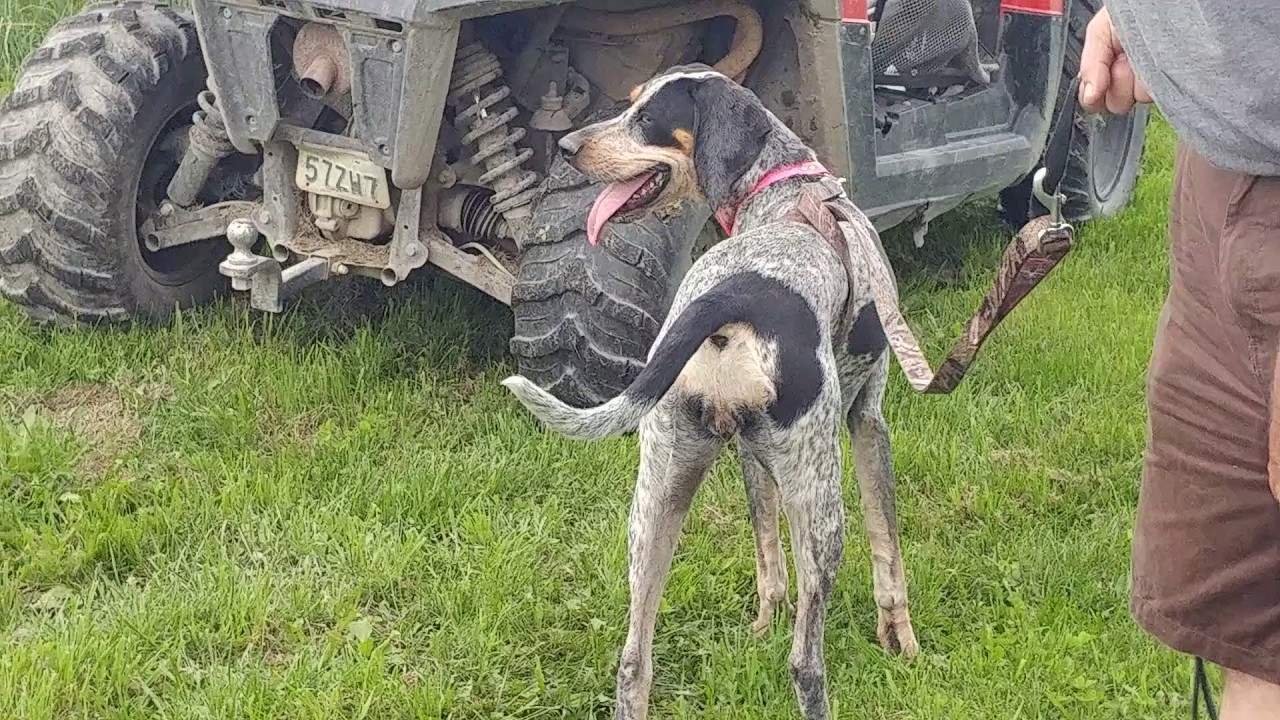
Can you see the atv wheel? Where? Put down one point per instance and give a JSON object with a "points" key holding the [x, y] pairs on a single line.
{"points": [[1105, 156], [88, 141], [585, 316]]}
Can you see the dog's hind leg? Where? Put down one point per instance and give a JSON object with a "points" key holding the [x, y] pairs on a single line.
{"points": [[873, 461], [675, 455], [808, 475], [771, 560]]}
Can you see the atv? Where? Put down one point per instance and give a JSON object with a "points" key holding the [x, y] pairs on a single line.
{"points": [[151, 159]]}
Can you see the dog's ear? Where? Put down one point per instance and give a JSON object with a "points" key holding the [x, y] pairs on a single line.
{"points": [[730, 133]]}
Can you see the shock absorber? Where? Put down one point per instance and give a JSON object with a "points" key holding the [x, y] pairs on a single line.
{"points": [[478, 96], [207, 144]]}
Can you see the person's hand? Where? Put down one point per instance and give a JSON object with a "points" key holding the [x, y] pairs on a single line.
{"points": [[1106, 77]]}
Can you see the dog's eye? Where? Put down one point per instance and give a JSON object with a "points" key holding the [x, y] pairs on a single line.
{"points": [[643, 118]]}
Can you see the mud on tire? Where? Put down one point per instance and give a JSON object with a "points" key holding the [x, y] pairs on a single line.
{"points": [[75, 137], [585, 316]]}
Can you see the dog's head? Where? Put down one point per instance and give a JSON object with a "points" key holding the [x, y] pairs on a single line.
{"points": [[690, 133]]}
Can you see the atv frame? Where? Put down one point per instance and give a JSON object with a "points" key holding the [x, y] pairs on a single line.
{"points": [[282, 143]]}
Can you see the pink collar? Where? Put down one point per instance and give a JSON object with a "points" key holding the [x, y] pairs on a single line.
{"points": [[727, 216]]}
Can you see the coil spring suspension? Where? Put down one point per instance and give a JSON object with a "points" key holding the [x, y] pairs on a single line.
{"points": [[207, 144], [477, 93]]}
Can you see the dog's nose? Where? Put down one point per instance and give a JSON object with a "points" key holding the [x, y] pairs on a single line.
{"points": [[570, 145]]}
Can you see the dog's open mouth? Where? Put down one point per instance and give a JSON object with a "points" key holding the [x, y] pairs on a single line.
{"points": [[625, 198]]}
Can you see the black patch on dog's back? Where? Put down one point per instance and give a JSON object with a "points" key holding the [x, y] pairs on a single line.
{"points": [[867, 338], [774, 311]]}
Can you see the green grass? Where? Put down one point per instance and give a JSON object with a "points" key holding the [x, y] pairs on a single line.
{"points": [[342, 514]]}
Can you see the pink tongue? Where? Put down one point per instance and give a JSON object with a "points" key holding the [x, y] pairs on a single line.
{"points": [[610, 200]]}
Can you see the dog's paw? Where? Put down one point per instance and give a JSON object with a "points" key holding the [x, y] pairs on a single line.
{"points": [[771, 598], [764, 620], [896, 634]]}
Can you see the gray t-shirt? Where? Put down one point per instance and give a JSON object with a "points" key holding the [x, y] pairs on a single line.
{"points": [[1213, 69]]}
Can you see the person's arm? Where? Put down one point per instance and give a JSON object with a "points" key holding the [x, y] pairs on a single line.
{"points": [[1107, 80]]}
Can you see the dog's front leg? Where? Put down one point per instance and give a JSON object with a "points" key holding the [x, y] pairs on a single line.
{"points": [[771, 560], [673, 460], [814, 506], [873, 461]]}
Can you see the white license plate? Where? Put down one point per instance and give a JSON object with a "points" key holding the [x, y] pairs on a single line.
{"points": [[342, 174]]}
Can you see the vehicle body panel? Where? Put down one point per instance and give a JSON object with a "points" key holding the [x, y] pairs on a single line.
{"points": [[937, 154]]}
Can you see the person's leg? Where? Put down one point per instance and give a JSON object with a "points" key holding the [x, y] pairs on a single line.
{"points": [[1206, 546], [1245, 697]]}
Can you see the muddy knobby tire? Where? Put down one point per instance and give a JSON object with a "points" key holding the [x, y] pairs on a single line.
{"points": [[87, 107], [586, 316]]}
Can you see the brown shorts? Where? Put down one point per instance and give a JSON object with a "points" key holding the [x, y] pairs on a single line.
{"points": [[1206, 546]]}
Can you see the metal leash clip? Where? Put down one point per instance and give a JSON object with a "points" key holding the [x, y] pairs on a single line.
{"points": [[1052, 202]]}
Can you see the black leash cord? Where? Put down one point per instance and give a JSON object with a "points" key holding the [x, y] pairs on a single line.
{"points": [[1058, 148], [1046, 183], [1200, 689]]}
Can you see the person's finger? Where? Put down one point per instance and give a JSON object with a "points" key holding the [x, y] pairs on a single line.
{"points": [[1120, 93], [1095, 62], [1140, 93]]}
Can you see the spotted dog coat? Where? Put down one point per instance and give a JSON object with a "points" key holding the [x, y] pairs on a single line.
{"points": [[750, 351]]}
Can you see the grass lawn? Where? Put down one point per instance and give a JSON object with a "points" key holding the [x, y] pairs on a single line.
{"points": [[338, 512]]}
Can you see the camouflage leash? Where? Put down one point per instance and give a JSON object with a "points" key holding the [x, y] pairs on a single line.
{"points": [[1033, 253], [1037, 248]]}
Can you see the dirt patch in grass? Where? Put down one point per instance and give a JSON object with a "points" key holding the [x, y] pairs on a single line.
{"points": [[98, 416]]}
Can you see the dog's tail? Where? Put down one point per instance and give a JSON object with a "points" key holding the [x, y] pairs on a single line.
{"points": [[699, 320]]}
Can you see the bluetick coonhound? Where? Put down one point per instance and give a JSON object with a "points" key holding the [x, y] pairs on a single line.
{"points": [[772, 338]]}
